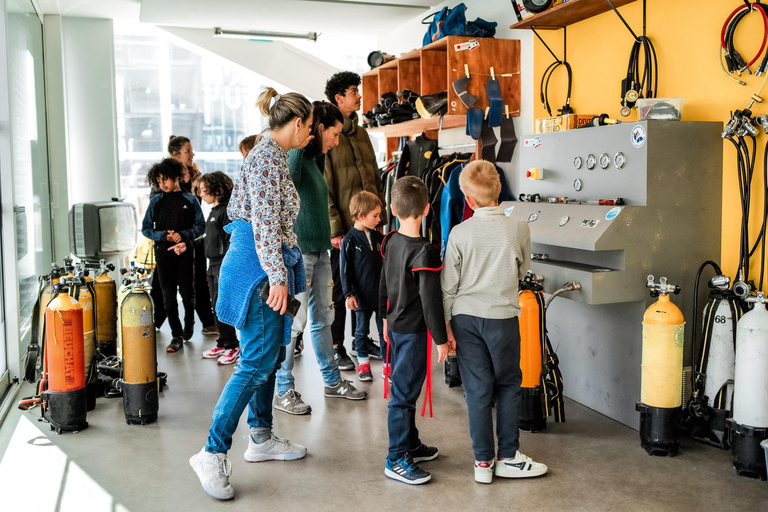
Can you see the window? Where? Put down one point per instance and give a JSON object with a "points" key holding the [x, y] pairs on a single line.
{"points": [[164, 88]]}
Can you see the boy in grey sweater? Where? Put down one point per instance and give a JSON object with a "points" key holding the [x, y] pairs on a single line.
{"points": [[484, 260]]}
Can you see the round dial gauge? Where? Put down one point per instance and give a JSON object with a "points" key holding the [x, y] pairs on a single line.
{"points": [[619, 160], [605, 161], [563, 221], [577, 162], [591, 161], [577, 184]]}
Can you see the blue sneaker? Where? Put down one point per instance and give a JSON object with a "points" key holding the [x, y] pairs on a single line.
{"points": [[406, 471]]}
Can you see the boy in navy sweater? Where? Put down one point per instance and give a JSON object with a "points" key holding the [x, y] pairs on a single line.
{"points": [[411, 302], [360, 274], [174, 220]]}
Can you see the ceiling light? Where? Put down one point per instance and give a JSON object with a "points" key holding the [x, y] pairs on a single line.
{"points": [[258, 34]]}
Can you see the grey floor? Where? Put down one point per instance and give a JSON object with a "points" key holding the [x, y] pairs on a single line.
{"points": [[596, 464]]}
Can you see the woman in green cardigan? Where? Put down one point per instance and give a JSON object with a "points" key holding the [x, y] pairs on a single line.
{"points": [[313, 229]]}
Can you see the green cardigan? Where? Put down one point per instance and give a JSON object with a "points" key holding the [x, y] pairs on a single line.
{"points": [[313, 225]]}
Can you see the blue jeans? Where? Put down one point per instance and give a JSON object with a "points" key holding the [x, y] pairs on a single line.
{"points": [[253, 383], [363, 329], [489, 361], [408, 356], [317, 303]]}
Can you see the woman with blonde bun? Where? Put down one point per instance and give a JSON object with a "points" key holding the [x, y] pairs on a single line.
{"points": [[261, 272]]}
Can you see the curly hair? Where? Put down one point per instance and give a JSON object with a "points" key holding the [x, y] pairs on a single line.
{"points": [[339, 83], [218, 184], [168, 168]]}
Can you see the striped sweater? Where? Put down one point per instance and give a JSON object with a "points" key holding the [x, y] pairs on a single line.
{"points": [[485, 258]]}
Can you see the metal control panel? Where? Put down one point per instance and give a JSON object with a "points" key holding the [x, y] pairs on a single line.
{"points": [[669, 176]]}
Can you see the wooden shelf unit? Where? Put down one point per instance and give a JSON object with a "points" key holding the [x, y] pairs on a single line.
{"points": [[433, 68], [568, 13]]}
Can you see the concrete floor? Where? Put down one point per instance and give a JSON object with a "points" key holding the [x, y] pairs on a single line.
{"points": [[595, 464]]}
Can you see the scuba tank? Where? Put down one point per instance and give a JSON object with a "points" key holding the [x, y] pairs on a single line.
{"points": [[85, 298], [661, 391], [749, 425], [139, 380], [105, 296], [713, 367], [64, 401], [542, 383]]}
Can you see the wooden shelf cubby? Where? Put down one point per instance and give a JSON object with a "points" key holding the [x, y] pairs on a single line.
{"points": [[432, 69], [568, 13]]}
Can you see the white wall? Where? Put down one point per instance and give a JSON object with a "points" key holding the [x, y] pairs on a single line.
{"points": [[82, 122], [409, 37]]}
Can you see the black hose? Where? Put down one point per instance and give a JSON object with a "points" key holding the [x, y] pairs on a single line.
{"points": [[694, 337]]}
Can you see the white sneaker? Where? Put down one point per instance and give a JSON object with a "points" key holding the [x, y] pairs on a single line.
{"points": [[519, 467], [213, 470], [229, 356], [484, 471], [214, 353], [274, 448]]}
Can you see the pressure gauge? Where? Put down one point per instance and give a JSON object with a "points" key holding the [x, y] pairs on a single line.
{"points": [[577, 184], [619, 160], [563, 221], [605, 161], [591, 162], [577, 162]]}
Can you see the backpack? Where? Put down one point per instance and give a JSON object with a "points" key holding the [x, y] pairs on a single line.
{"points": [[453, 22]]}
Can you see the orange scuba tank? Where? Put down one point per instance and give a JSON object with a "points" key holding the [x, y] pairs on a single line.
{"points": [[105, 291], [533, 406], [65, 399]]}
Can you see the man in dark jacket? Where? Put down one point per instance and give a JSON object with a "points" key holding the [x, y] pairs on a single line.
{"points": [[350, 168]]}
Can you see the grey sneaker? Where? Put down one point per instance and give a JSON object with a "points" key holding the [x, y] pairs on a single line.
{"points": [[291, 403], [213, 470], [274, 448], [345, 389]]}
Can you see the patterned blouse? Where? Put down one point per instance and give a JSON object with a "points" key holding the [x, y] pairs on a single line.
{"points": [[265, 196]]}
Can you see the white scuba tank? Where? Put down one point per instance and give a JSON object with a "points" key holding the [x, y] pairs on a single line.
{"points": [[721, 358], [750, 396]]}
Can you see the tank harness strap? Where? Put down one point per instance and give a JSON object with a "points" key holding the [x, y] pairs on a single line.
{"points": [[719, 401], [709, 323], [551, 378]]}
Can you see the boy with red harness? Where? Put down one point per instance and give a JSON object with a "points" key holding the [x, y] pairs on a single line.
{"points": [[410, 301]]}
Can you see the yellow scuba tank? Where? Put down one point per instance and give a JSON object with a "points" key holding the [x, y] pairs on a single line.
{"points": [[105, 291], [661, 391], [139, 382]]}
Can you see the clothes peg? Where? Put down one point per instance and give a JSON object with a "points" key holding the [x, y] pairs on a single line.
{"points": [[487, 111], [506, 110], [493, 74], [466, 70]]}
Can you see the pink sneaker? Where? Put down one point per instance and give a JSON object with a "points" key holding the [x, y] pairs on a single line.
{"points": [[214, 353], [229, 356]]}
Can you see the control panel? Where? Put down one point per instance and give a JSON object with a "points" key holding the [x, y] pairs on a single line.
{"points": [[609, 205]]}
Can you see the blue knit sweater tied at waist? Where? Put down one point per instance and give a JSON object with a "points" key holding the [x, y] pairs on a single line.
{"points": [[241, 273]]}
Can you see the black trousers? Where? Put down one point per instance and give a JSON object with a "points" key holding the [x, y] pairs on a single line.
{"points": [[177, 273], [489, 361], [339, 305], [202, 297], [157, 299], [227, 333]]}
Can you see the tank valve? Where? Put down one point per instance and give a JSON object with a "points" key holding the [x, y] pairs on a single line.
{"points": [[663, 288], [741, 289]]}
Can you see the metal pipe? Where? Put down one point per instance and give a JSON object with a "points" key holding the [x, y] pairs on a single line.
{"points": [[254, 34]]}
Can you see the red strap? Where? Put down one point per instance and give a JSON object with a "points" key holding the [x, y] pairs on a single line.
{"points": [[428, 388], [387, 369]]}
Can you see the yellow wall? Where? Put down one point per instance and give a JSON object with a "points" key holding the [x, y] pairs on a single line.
{"points": [[686, 35]]}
